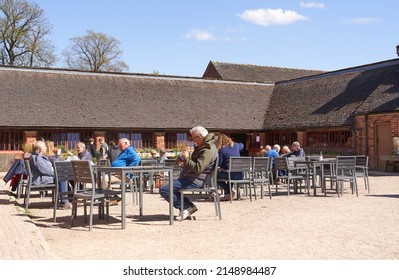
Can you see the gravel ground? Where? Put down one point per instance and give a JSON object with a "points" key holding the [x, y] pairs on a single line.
{"points": [[298, 227]]}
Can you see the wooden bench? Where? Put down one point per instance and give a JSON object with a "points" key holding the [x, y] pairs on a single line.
{"points": [[390, 161]]}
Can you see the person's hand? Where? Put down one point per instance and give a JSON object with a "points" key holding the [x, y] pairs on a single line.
{"points": [[180, 161], [184, 155]]}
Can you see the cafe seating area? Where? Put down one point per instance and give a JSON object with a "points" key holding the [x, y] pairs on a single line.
{"points": [[97, 187]]}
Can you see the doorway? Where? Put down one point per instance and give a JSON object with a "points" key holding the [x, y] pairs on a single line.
{"points": [[383, 144], [240, 138]]}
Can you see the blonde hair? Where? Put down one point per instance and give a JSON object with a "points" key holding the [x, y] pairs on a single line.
{"points": [[285, 150], [262, 152], [224, 140], [50, 148]]}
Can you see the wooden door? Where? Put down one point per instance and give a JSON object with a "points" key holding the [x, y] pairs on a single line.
{"points": [[383, 143]]}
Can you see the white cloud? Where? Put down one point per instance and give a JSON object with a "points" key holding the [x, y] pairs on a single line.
{"points": [[266, 17], [364, 20], [313, 5], [200, 35]]}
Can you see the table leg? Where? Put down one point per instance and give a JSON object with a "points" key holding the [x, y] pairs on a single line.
{"points": [[314, 179], [123, 195], [171, 197], [141, 193]]}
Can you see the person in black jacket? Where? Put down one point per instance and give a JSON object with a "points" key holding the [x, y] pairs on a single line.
{"points": [[91, 148]]}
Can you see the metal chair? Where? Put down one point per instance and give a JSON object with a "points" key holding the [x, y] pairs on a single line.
{"points": [[344, 171], [239, 164], [83, 174], [30, 187], [63, 172], [288, 174], [262, 173], [151, 177], [209, 188], [362, 170], [176, 168]]}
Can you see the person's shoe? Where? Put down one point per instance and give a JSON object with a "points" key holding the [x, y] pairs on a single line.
{"points": [[66, 206], [188, 212], [113, 202], [227, 196]]}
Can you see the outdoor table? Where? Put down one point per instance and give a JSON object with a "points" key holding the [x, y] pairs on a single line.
{"points": [[123, 171], [320, 163]]}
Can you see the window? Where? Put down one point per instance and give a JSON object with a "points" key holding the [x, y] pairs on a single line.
{"points": [[11, 140], [137, 140], [170, 140], [281, 138], [329, 138], [67, 139]]}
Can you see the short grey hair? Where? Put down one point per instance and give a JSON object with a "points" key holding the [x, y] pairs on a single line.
{"points": [[38, 146], [276, 147], [199, 130], [81, 145], [125, 140], [296, 144]]}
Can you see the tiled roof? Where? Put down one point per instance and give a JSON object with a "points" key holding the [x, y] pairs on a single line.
{"points": [[37, 98], [334, 98], [253, 73]]}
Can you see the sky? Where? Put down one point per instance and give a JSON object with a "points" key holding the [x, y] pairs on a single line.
{"points": [[180, 37]]}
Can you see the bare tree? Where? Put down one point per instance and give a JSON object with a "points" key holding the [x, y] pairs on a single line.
{"points": [[23, 35], [95, 52]]}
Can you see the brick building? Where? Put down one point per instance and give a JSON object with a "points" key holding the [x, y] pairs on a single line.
{"points": [[348, 111]]}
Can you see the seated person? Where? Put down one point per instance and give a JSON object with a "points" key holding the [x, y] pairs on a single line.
{"points": [[194, 171], [297, 151], [127, 157], [162, 154], [273, 153], [83, 154], [43, 171], [285, 150], [227, 148]]}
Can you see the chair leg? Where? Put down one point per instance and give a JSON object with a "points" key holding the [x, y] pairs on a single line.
{"points": [[181, 205], [366, 182], [91, 215], [74, 211], [26, 199], [231, 194]]}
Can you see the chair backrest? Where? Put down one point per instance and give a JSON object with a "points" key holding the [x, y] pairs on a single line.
{"points": [[103, 162], [28, 172], [176, 168], [346, 165], [211, 177], [261, 164], [240, 164], [83, 172], [281, 163], [63, 171], [362, 161], [148, 162]]}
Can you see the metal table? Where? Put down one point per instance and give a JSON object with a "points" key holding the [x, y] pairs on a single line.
{"points": [[137, 170], [320, 163]]}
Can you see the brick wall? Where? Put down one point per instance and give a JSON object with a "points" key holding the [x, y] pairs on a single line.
{"points": [[367, 142]]}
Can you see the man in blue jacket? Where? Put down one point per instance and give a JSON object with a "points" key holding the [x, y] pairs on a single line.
{"points": [[128, 155]]}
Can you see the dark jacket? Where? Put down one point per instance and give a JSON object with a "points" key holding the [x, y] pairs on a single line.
{"points": [[113, 153], [17, 168]]}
